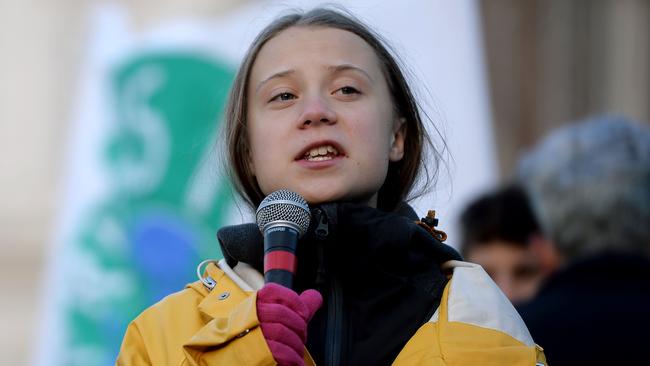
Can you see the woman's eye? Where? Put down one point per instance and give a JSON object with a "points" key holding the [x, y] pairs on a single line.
{"points": [[283, 97], [348, 90]]}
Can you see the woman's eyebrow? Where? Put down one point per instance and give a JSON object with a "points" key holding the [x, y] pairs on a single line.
{"points": [[333, 69], [346, 67], [279, 74]]}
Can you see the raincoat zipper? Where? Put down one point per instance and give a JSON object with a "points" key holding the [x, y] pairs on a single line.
{"points": [[334, 326], [333, 330]]}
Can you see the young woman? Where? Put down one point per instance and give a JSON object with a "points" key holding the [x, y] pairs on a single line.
{"points": [[320, 107]]}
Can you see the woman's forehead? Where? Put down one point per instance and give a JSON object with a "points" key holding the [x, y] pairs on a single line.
{"points": [[308, 47]]}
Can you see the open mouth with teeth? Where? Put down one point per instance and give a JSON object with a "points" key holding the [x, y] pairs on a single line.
{"points": [[321, 153]]}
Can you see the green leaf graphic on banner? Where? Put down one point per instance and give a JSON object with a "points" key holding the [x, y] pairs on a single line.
{"points": [[167, 199]]}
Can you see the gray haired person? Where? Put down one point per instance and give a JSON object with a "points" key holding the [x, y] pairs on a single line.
{"points": [[590, 188]]}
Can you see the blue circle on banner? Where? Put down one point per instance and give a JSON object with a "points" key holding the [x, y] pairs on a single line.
{"points": [[163, 251]]}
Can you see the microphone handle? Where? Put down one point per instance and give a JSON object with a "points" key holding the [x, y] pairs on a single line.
{"points": [[280, 262]]}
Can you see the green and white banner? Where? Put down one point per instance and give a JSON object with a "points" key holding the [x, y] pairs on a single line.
{"points": [[142, 240], [146, 194]]}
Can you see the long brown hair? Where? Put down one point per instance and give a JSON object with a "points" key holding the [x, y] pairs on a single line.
{"points": [[401, 175]]}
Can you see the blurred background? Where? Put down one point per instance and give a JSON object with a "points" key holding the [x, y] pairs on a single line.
{"points": [[110, 187]]}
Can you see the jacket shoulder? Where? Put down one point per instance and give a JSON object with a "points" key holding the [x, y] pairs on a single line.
{"points": [[156, 335], [200, 324], [187, 298], [475, 323]]}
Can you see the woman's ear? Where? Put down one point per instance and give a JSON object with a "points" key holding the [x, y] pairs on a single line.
{"points": [[397, 140]]}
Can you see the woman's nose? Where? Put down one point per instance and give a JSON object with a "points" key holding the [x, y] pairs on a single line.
{"points": [[316, 111]]}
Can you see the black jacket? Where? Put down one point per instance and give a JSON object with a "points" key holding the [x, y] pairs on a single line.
{"points": [[379, 274], [594, 312]]}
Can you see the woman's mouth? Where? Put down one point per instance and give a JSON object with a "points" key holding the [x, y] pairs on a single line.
{"points": [[321, 153]]}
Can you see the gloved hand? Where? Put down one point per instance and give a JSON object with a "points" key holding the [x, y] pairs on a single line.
{"points": [[283, 317]]}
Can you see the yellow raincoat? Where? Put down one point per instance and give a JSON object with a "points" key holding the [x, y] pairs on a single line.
{"points": [[474, 325]]}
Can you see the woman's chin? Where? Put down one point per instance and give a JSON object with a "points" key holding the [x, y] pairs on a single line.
{"points": [[317, 199], [320, 198], [317, 194]]}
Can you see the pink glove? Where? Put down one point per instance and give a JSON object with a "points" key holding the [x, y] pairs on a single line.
{"points": [[283, 316]]}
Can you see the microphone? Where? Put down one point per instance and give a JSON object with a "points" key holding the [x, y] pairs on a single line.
{"points": [[282, 217]]}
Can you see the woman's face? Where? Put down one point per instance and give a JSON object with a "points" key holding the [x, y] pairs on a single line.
{"points": [[320, 117]]}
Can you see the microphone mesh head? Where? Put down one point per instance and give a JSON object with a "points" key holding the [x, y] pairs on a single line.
{"points": [[284, 205]]}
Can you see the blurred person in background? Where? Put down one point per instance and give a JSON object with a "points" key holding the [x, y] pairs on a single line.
{"points": [[498, 230], [589, 184]]}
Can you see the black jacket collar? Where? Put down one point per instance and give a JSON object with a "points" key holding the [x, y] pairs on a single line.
{"points": [[244, 242], [380, 278]]}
